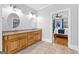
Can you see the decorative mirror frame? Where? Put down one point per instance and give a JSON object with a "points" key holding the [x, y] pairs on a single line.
{"points": [[13, 20]]}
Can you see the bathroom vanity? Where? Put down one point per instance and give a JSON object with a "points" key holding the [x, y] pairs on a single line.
{"points": [[14, 41], [61, 39], [14, 38]]}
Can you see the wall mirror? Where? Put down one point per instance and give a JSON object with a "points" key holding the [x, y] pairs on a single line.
{"points": [[13, 20], [60, 20]]}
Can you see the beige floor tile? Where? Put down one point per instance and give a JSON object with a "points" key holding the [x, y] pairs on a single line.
{"points": [[47, 48]]}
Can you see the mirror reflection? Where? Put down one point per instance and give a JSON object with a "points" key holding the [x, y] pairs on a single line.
{"points": [[13, 20]]}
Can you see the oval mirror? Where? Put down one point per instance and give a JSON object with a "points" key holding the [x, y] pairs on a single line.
{"points": [[13, 20]]}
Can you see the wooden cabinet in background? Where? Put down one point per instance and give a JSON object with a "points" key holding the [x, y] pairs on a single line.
{"points": [[15, 42], [61, 39]]}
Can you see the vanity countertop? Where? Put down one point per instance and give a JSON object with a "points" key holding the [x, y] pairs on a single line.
{"points": [[61, 35], [19, 31]]}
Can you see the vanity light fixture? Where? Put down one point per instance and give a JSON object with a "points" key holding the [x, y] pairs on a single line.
{"points": [[58, 16], [13, 7], [32, 15]]}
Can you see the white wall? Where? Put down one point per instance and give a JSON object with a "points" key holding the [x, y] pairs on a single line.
{"points": [[25, 22], [78, 27], [45, 22], [0, 29]]}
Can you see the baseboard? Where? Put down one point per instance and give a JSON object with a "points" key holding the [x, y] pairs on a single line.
{"points": [[1, 41], [78, 50], [47, 40], [74, 47], [0, 47]]}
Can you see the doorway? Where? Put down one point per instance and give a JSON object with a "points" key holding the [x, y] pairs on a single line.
{"points": [[61, 27]]}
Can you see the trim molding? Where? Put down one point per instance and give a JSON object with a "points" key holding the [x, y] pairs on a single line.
{"points": [[1, 42], [47, 40], [75, 47], [78, 28], [44, 7], [78, 50], [69, 22]]}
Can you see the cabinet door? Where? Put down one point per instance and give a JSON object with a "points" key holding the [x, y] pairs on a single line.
{"points": [[31, 38], [4, 43], [61, 41], [12, 46], [22, 43], [23, 40], [37, 35]]}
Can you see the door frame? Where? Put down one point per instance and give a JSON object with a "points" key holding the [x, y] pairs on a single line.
{"points": [[78, 28], [69, 24]]}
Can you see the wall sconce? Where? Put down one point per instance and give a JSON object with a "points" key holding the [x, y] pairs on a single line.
{"points": [[32, 15], [14, 8], [58, 16]]}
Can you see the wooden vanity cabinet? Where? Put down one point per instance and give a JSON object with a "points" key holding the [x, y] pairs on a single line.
{"points": [[61, 39], [30, 38], [15, 42], [38, 36], [34, 37], [23, 41], [10, 46]]}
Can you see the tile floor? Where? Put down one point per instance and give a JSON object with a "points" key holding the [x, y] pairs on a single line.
{"points": [[47, 48]]}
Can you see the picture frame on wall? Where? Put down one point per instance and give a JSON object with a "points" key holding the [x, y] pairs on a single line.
{"points": [[57, 24]]}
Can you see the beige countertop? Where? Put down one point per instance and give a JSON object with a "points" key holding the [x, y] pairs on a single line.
{"points": [[18, 31]]}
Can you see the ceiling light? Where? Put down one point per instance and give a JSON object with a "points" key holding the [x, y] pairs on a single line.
{"points": [[58, 16]]}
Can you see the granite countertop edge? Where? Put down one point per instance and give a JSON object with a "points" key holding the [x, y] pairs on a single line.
{"points": [[18, 31]]}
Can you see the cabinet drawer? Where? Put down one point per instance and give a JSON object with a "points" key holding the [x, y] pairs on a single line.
{"points": [[30, 33], [36, 32], [12, 46], [22, 43], [37, 37], [17, 36], [30, 38], [61, 41], [30, 42]]}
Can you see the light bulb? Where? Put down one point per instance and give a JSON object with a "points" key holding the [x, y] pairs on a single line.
{"points": [[30, 15], [34, 16]]}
